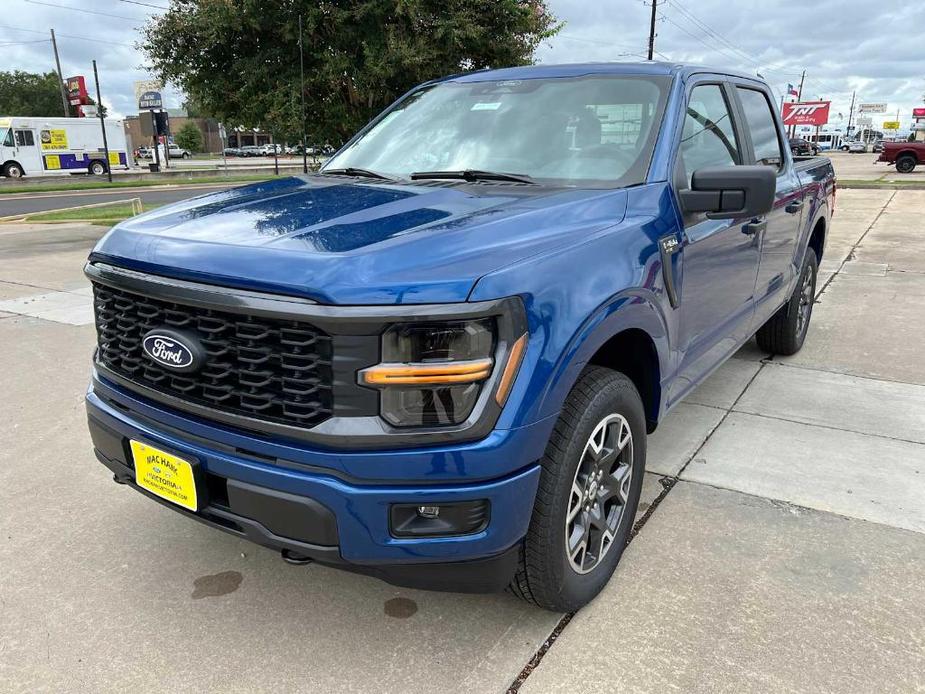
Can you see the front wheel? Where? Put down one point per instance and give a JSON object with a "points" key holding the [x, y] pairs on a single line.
{"points": [[588, 493], [13, 170], [786, 330], [186, 155], [905, 163]]}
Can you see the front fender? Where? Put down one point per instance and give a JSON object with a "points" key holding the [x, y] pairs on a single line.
{"points": [[632, 310]]}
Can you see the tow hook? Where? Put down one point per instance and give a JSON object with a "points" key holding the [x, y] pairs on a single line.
{"points": [[120, 480], [295, 558]]}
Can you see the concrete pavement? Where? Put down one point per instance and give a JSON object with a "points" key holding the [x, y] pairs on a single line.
{"points": [[788, 553]]}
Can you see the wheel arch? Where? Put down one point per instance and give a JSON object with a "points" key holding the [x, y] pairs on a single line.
{"points": [[12, 161], [628, 334]]}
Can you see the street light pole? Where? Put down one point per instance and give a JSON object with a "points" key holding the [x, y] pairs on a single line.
{"points": [[652, 29], [99, 110], [302, 92]]}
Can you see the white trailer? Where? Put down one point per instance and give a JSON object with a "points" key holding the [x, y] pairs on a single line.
{"points": [[48, 146]]}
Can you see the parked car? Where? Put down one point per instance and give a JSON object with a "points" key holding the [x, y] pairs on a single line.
{"points": [[905, 155], [857, 147], [249, 151], [801, 147], [231, 152], [439, 365], [878, 146]]}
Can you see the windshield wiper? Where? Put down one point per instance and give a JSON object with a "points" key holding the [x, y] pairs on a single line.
{"points": [[474, 175], [361, 173]]}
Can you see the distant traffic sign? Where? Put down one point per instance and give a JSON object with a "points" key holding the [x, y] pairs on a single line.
{"points": [[872, 108], [150, 100], [891, 125]]}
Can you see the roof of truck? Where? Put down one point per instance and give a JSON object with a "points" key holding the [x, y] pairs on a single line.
{"points": [[582, 69]]}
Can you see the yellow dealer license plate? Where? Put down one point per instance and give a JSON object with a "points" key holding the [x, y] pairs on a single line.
{"points": [[164, 474]]}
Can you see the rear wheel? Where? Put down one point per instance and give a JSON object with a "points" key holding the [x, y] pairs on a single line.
{"points": [[588, 493], [13, 170], [97, 168], [785, 331], [906, 163]]}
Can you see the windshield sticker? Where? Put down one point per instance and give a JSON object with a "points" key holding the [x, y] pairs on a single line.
{"points": [[486, 106]]}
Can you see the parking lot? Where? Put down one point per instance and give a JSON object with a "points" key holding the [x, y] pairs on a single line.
{"points": [[780, 545]]}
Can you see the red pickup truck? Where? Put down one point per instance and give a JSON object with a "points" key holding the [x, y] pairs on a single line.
{"points": [[905, 155]]}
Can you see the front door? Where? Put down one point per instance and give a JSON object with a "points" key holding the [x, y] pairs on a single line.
{"points": [[26, 151], [719, 259]]}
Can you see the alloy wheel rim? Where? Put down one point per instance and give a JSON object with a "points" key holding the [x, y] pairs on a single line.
{"points": [[806, 301], [599, 493]]}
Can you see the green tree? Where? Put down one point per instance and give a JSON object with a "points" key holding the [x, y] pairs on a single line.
{"points": [[189, 137], [32, 94], [239, 61]]}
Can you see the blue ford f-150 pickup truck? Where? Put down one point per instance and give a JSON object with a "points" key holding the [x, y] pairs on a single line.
{"points": [[437, 360]]}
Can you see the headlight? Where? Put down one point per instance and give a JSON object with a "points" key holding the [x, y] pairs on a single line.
{"points": [[432, 373]]}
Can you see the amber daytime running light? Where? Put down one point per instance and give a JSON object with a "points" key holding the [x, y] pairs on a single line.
{"points": [[432, 374]]}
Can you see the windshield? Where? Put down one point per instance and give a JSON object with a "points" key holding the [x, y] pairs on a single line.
{"points": [[6, 137], [589, 131]]}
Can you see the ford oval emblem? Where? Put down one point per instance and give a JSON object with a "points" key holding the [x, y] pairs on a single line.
{"points": [[170, 349]]}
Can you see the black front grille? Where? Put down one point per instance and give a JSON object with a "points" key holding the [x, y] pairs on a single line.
{"points": [[273, 369]]}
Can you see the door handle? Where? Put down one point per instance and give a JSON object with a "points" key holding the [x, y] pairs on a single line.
{"points": [[794, 206], [754, 227]]}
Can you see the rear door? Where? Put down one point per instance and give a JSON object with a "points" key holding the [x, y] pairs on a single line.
{"points": [[719, 258], [779, 234]]}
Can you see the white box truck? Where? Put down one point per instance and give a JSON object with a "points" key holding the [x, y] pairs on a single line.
{"points": [[46, 146]]}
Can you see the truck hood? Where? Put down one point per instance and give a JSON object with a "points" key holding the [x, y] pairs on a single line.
{"points": [[338, 241]]}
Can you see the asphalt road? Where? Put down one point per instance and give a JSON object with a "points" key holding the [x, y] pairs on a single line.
{"points": [[40, 202]]}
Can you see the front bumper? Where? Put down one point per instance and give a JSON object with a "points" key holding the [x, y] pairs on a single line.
{"points": [[323, 511]]}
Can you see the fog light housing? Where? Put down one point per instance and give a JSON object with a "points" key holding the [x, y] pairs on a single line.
{"points": [[438, 519]]}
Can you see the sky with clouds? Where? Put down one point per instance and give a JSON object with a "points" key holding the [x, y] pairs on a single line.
{"points": [[844, 45]]}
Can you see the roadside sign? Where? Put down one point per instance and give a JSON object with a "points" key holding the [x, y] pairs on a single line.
{"points": [[150, 100], [872, 108], [891, 125], [806, 113], [88, 111], [77, 90], [918, 112], [142, 86], [865, 120]]}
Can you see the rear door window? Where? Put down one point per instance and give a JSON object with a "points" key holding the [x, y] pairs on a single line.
{"points": [[759, 120]]}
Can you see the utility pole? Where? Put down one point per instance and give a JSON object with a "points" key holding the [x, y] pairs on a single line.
{"points": [[99, 110], [302, 92], [652, 29], [54, 45]]}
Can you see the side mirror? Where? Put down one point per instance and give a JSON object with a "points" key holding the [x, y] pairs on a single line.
{"points": [[729, 192]]}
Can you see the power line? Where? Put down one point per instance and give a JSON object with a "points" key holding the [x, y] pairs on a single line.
{"points": [[80, 9], [69, 36], [20, 43], [145, 4]]}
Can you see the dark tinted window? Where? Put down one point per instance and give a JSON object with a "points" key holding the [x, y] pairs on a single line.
{"points": [[708, 138], [24, 138], [760, 122]]}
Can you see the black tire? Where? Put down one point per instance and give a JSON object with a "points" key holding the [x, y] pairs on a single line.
{"points": [[906, 163], [786, 330], [97, 167], [546, 576], [13, 170], [186, 155]]}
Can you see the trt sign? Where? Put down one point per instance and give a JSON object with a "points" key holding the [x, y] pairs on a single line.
{"points": [[806, 113]]}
